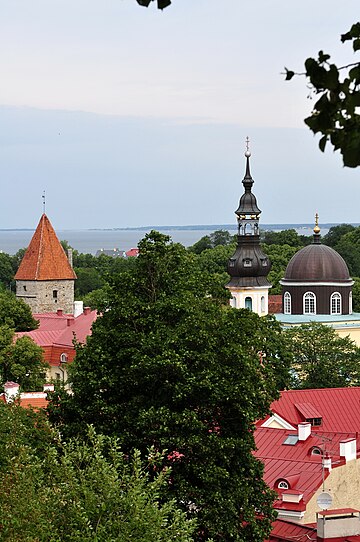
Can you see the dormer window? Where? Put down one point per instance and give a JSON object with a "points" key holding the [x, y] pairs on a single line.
{"points": [[283, 485], [314, 421], [316, 451]]}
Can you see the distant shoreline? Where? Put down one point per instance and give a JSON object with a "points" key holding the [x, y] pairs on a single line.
{"points": [[198, 227]]}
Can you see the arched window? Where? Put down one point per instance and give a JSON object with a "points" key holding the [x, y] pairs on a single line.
{"points": [[287, 303], [350, 303], [248, 303], [309, 303], [233, 302], [262, 303], [335, 303], [316, 451], [283, 484]]}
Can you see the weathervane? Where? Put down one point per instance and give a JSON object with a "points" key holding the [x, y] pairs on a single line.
{"points": [[44, 201]]}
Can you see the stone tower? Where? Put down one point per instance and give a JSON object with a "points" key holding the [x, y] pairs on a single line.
{"points": [[45, 279], [249, 266]]}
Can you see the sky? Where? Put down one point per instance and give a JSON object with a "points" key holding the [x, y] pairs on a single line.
{"points": [[129, 116]]}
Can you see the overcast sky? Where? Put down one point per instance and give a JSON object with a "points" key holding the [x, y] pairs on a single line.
{"points": [[129, 116]]}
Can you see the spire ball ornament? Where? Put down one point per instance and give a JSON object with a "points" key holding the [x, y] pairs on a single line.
{"points": [[247, 152]]}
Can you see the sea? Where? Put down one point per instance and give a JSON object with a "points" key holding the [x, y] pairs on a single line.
{"points": [[90, 241]]}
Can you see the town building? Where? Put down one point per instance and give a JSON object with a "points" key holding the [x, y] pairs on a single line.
{"points": [[45, 278], [309, 445], [249, 266]]}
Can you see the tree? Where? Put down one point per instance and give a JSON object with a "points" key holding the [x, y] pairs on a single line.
{"points": [[6, 270], [215, 239], [322, 359], [15, 313], [169, 365], [21, 361], [335, 114], [348, 247], [285, 237], [85, 491], [279, 255], [88, 279], [335, 233]]}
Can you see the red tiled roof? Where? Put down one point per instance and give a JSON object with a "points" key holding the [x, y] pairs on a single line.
{"points": [[45, 258], [286, 530], [132, 252], [56, 333], [295, 464], [338, 408]]}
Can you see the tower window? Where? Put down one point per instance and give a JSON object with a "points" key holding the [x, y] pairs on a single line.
{"points": [[335, 303], [233, 302], [309, 303], [247, 262], [262, 302], [55, 294], [350, 303], [287, 303], [264, 262], [248, 303], [232, 262], [24, 288]]}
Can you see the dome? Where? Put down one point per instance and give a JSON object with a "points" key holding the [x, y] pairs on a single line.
{"points": [[317, 262]]}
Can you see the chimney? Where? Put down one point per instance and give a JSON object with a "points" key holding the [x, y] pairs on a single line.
{"points": [[348, 449], [70, 256], [337, 524], [87, 310], [70, 322], [327, 461], [11, 390], [59, 312], [78, 308], [304, 430]]}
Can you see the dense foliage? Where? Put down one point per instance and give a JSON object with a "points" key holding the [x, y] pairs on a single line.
{"points": [[21, 361], [170, 365], [15, 313], [80, 491], [322, 359]]}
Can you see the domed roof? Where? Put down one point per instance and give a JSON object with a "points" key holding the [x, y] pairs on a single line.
{"points": [[317, 263]]}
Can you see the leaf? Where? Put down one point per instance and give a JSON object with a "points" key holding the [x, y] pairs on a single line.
{"points": [[356, 44], [289, 74], [322, 143]]}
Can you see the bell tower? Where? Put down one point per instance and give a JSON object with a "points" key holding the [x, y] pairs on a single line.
{"points": [[249, 266]]}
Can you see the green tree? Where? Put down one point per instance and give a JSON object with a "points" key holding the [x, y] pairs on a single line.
{"points": [[285, 237], [335, 114], [322, 359], [88, 279], [348, 247], [21, 361], [169, 365], [6, 270], [335, 233], [279, 256], [82, 492], [215, 239], [15, 313]]}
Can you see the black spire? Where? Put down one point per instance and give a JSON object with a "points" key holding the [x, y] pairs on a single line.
{"points": [[249, 266]]}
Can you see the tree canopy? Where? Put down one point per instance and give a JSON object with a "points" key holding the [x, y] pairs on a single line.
{"points": [[80, 491], [21, 361], [322, 359], [335, 114], [15, 313], [170, 365]]}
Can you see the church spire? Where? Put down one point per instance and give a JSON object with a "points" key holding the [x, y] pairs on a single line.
{"points": [[249, 266]]}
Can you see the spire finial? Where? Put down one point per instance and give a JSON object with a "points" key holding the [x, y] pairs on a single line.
{"points": [[44, 202], [316, 229], [247, 152]]}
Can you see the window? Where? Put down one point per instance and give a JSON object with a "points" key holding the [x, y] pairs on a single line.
{"points": [[350, 303], [233, 302], [335, 303], [291, 440], [232, 262], [262, 302], [248, 303], [24, 288], [247, 262], [316, 451], [283, 485], [309, 302], [55, 292], [287, 303], [264, 262]]}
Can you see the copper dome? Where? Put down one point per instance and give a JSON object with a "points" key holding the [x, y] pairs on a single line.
{"points": [[317, 263]]}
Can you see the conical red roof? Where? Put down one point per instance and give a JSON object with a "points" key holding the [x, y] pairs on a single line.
{"points": [[45, 258]]}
